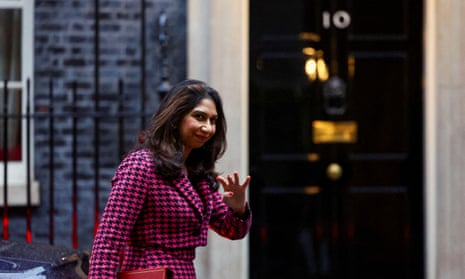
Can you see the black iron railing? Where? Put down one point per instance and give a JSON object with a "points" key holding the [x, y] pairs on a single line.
{"points": [[76, 116]]}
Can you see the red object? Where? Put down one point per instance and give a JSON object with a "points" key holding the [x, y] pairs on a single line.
{"points": [[149, 273], [14, 153], [96, 222], [28, 227], [6, 234], [75, 233]]}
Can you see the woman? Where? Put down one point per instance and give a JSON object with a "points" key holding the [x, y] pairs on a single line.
{"points": [[165, 196]]}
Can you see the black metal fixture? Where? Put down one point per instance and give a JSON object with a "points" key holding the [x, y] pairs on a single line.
{"points": [[164, 85]]}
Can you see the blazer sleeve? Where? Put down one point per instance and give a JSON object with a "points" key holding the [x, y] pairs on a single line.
{"points": [[224, 222], [126, 199]]}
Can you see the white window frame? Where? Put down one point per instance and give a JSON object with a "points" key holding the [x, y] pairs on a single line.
{"points": [[17, 170]]}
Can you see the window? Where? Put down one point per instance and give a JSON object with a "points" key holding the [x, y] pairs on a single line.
{"points": [[16, 70]]}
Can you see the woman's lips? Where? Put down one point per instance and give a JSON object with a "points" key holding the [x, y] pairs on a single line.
{"points": [[203, 138]]}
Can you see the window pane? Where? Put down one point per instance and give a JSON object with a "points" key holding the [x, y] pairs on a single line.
{"points": [[10, 69], [10, 44], [13, 125]]}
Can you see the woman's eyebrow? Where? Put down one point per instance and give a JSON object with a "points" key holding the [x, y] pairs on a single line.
{"points": [[204, 112]]}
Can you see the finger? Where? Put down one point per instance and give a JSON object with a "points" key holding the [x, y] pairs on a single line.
{"points": [[230, 179], [236, 178], [246, 181], [221, 180]]}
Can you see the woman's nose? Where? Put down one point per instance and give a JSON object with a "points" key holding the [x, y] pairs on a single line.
{"points": [[206, 127]]}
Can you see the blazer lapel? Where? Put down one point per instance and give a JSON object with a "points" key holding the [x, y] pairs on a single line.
{"points": [[205, 193], [186, 188]]}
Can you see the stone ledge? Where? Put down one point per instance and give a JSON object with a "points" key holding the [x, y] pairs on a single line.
{"points": [[17, 194]]}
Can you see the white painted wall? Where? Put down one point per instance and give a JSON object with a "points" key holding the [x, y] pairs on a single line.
{"points": [[445, 138], [218, 54]]}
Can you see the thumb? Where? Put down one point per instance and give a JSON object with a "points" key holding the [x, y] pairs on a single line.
{"points": [[226, 195]]}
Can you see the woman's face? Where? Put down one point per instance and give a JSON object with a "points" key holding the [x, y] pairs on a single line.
{"points": [[198, 126]]}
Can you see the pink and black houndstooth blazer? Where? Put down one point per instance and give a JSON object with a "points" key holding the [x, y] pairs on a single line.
{"points": [[158, 222]]}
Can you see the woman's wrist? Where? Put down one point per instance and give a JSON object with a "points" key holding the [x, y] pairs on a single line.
{"points": [[242, 213]]}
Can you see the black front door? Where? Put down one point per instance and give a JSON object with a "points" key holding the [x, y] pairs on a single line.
{"points": [[336, 139]]}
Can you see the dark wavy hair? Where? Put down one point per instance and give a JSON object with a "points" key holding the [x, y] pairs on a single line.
{"points": [[163, 138]]}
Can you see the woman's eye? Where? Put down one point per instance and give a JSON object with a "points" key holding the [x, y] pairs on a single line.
{"points": [[203, 117], [199, 116]]}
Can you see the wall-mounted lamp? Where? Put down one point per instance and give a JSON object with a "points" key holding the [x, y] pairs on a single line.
{"points": [[315, 66], [164, 85]]}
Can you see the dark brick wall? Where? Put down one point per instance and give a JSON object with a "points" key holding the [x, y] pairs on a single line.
{"points": [[64, 53]]}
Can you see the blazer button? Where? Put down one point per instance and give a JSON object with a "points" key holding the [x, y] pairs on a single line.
{"points": [[196, 232]]}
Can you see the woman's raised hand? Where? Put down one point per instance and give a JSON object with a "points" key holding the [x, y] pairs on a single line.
{"points": [[234, 194]]}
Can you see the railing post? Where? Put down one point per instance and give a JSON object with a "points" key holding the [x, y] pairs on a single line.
{"points": [[97, 161], [5, 162], [143, 51], [52, 165], [96, 119], [120, 117], [28, 163], [74, 169]]}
